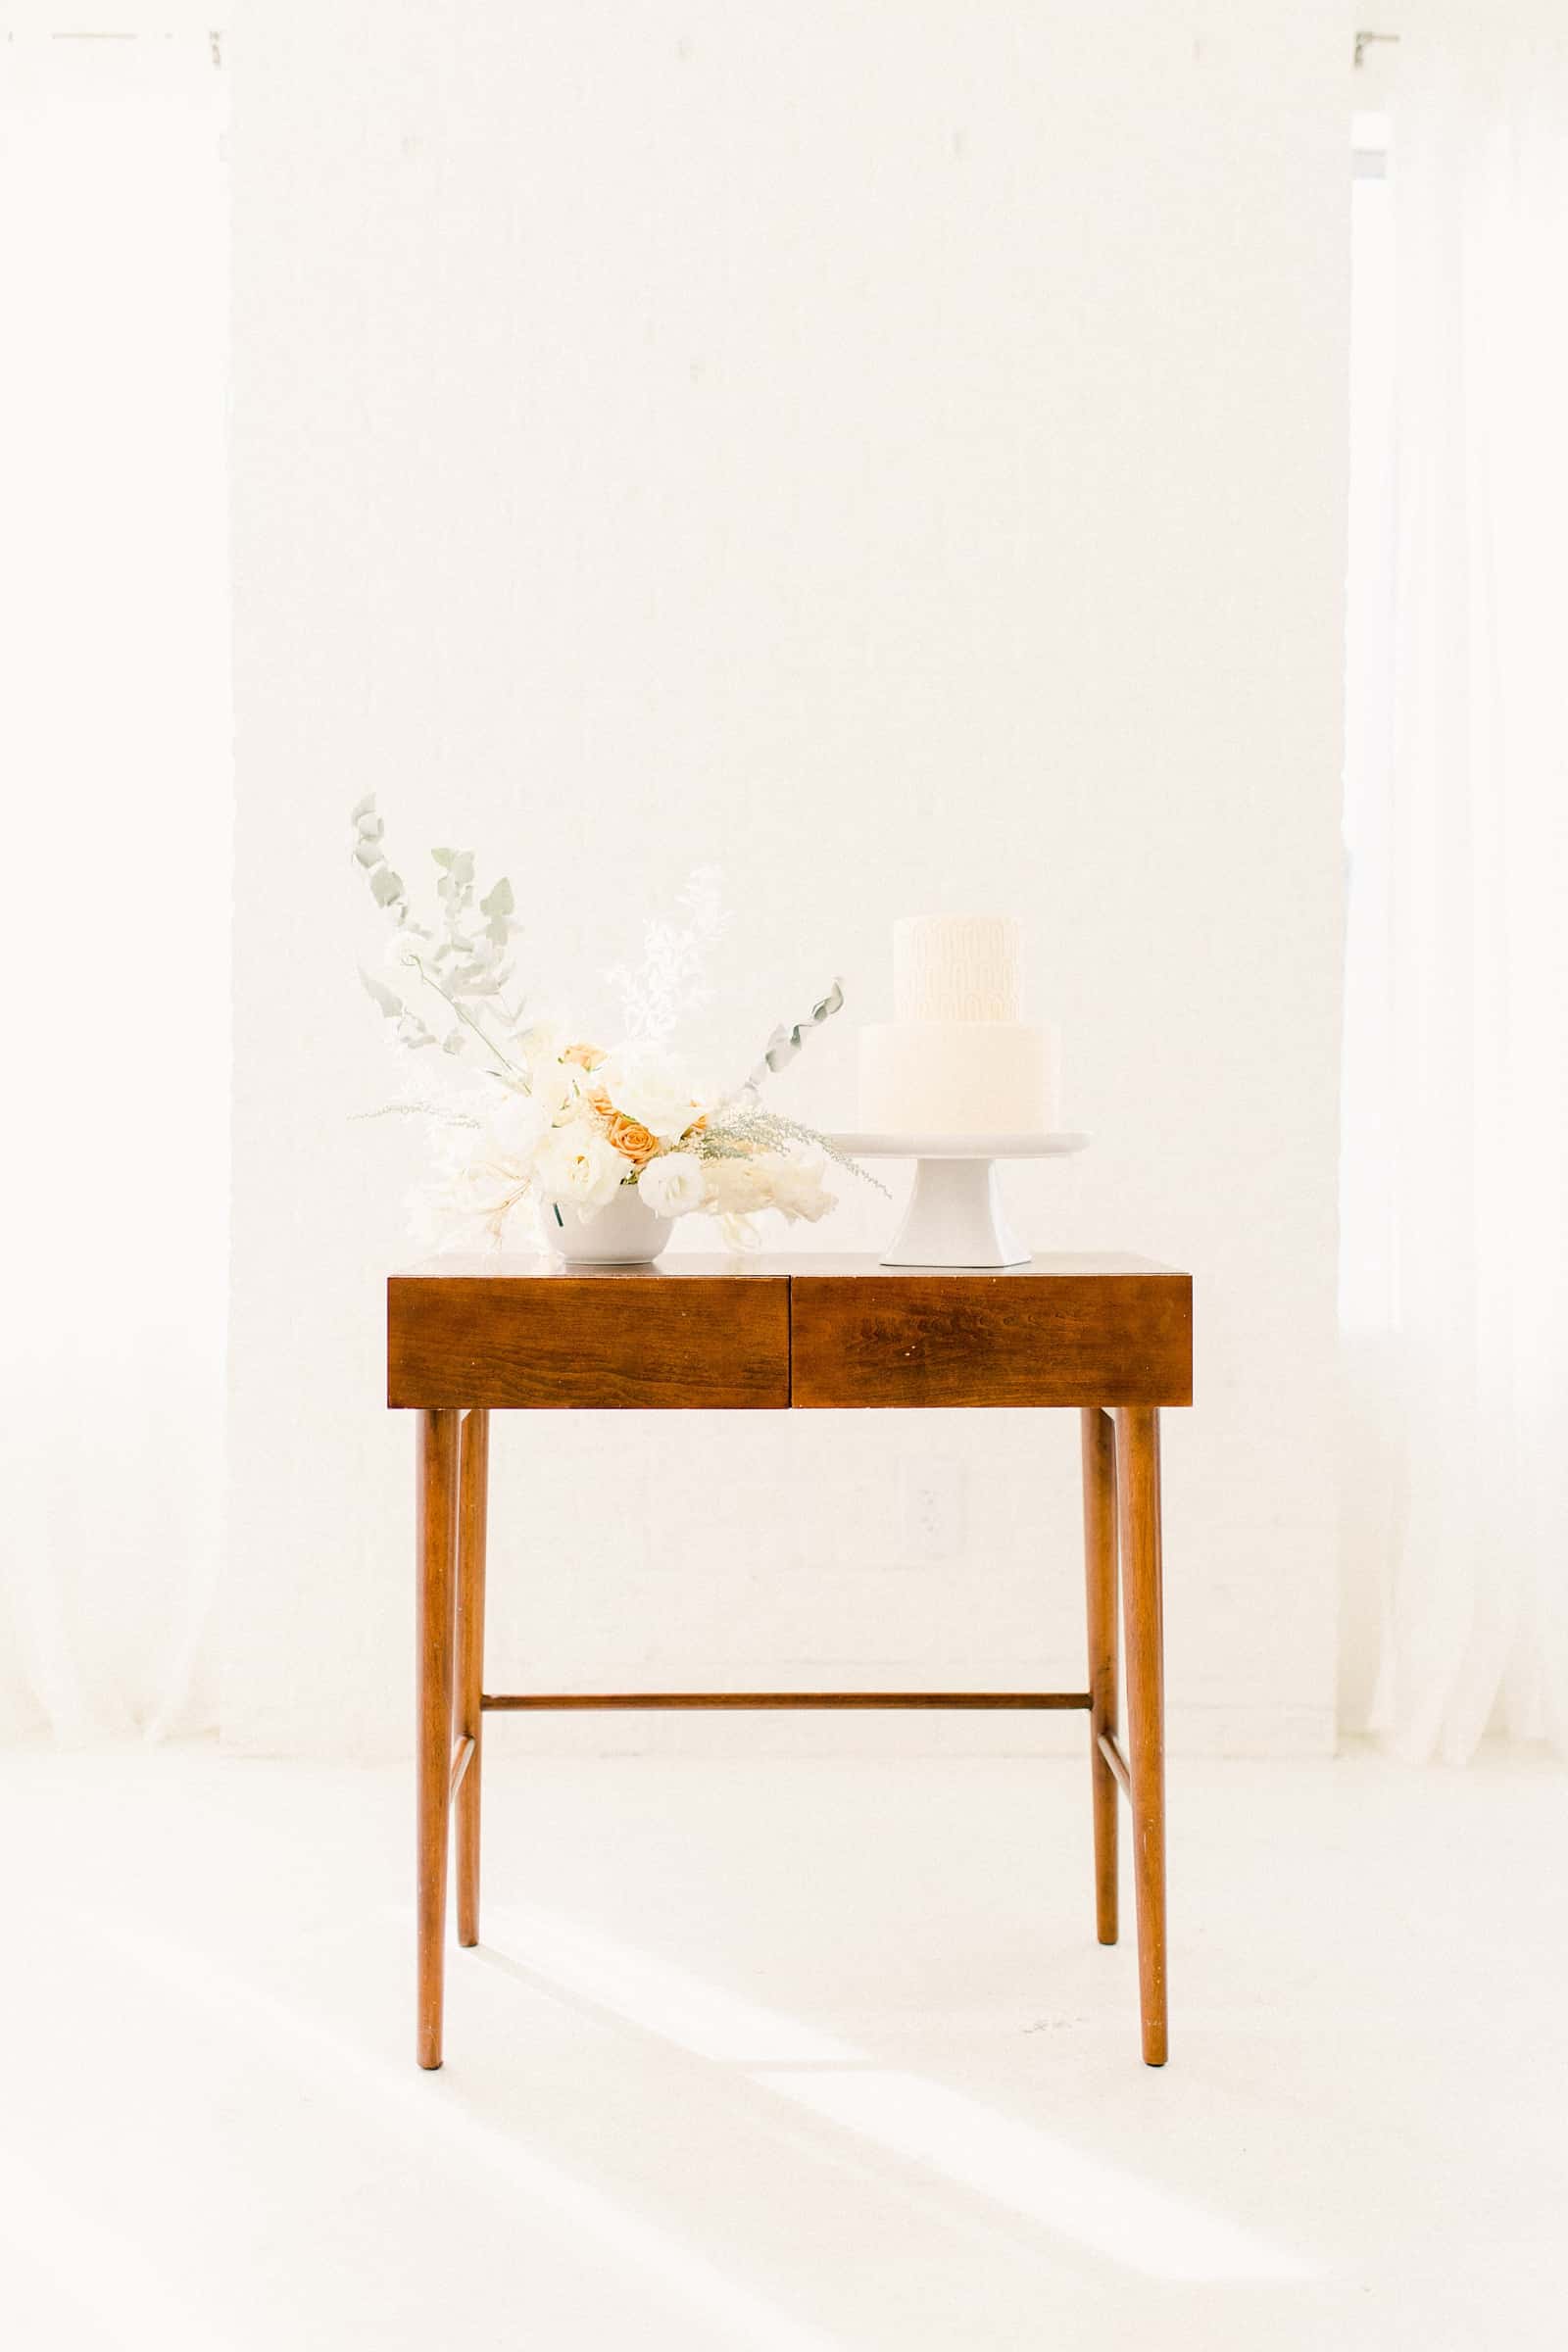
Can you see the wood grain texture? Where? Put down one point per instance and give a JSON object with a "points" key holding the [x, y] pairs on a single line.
{"points": [[1025, 1337], [614, 1336], [1098, 1434], [474, 1488], [1138, 1500], [437, 1544]]}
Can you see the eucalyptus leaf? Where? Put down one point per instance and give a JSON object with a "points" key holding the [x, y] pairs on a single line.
{"points": [[499, 909], [386, 887], [443, 857], [369, 852], [383, 997], [786, 1042], [455, 1041], [365, 808]]}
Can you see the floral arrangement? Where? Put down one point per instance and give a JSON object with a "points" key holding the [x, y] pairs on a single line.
{"points": [[527, 1110]]}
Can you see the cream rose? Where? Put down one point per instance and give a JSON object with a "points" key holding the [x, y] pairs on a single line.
{"points": [[578, 1164], [648, 1085], [553, 1088]]}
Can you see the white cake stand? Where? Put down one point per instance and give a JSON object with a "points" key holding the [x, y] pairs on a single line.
{"points": [[956, 1216]]}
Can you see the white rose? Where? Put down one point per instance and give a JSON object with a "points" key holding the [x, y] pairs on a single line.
{"points": [[648, 1085], [673, 1184], [578, 1164]]}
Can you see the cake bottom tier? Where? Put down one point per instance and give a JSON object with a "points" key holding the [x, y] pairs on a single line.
{"points": [[959, 1078]]}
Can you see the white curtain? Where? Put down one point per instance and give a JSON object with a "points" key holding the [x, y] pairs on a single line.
{"points": [[1456, 1143], [115, 758]]}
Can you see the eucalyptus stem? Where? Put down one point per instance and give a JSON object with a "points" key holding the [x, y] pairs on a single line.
{"points": [[488, 1043]]}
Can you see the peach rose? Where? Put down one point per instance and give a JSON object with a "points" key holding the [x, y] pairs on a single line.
{"points": [[587, 1058], [631, 1141]]}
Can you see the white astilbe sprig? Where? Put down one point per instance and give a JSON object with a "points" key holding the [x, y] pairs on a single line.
{"points": [[670, 980], [437, 1091]]}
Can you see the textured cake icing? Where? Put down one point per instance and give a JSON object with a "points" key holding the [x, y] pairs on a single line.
{"points": [[957, 1061], [957, 967]]}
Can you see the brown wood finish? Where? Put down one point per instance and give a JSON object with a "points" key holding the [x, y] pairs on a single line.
{"points": [[437, 1553], [1024, 1338], [473, 1486], [612, 1337], [1099, 1433], [465, 1335], [1138, 1485], [514, 1703]]}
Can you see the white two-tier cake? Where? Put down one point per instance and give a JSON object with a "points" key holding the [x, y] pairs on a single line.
{"points": [[957, 1061]]}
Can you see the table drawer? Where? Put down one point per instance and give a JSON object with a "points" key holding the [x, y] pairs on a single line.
{"points": [[1011, 1337], [588, 1343]]}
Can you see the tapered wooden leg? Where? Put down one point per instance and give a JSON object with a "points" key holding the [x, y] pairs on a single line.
{"points": [[1138, 1489], [473, 1483], [1099, 1587], [438, 1554]]}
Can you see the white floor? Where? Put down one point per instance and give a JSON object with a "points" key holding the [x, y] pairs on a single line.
{"points": [[794, 2054]]}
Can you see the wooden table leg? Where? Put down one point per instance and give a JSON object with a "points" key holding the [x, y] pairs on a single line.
{"points": [[437, 1551], [1100, 1585], [473, 1505], [1138, 1483]]}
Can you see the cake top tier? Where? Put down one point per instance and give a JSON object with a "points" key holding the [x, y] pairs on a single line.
{"points": [[956, 967]]}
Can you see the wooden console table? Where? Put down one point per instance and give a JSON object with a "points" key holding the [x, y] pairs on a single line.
{"points": [[1108, 1335]]}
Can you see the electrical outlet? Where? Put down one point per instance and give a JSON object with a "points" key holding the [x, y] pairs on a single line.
{"points": [[931, 1497]]}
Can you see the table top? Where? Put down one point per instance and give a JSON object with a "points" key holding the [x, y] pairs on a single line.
{"points": [[771, 1332], [499, 1265]]}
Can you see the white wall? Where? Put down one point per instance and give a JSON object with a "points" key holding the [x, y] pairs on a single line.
{"points": [[895, 452]]}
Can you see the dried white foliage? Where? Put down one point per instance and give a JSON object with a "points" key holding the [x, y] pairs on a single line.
{"points": [[671, 979]]}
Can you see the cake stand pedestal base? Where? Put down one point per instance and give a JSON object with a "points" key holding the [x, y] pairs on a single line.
{"points": [[955, 1217]]}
